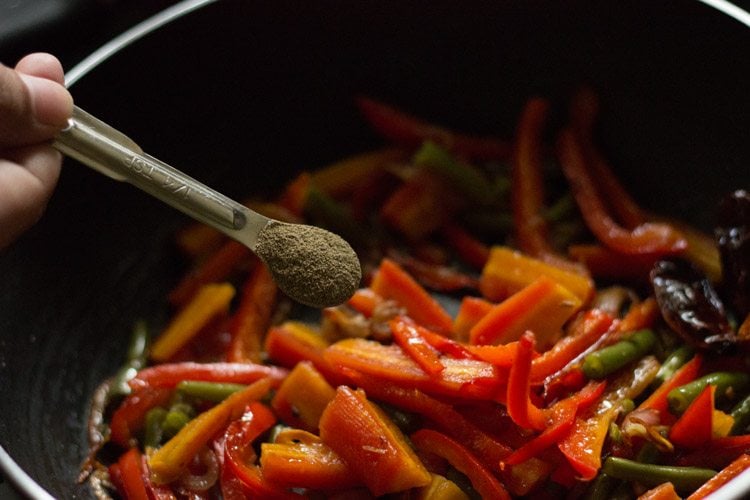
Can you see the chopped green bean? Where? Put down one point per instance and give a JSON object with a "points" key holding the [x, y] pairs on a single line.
{"points": [[176, 418], [329, 213], [728, 386], [136, 359], [684, 479], [603, 362], [564, 207], [466, 178], [208, 391], [601, 487], [741, 415], [674, 361], [153, 432]]}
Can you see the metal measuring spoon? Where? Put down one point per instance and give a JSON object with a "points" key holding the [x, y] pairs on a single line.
{"points": [[310, 264]]}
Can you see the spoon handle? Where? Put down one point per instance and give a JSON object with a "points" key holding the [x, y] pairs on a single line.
{"points": [[109, 151]]}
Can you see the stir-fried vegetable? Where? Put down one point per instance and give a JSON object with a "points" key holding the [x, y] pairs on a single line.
{"points": [[488, 352]]}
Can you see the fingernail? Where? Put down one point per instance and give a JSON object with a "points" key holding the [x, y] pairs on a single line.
{"points": [[51, 102]]}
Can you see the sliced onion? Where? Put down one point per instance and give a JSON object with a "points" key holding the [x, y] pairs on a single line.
{"points": [[205, 461]]}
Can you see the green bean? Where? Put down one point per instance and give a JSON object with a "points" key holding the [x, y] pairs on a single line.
{"points": [[466, 178], [741, 415], [208, 391], [684, 479], [153, 432], [674, 361], [728, 386], [603, 362], [135, 360], [176, 418], [327, 212], [601, 487]]}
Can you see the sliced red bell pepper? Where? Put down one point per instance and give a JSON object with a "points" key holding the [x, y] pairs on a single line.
{"points": [[737, 467], [240, 457], [442, 414], [130, 416], [563, 418], [658, 399], [372, 446], [407, 130], [483, 481], [217, 267], [406, 335], [170, 374], [693, 428], [520, 407], [392, 282], [469, 378], [469, 249], [252, 317], [647, 238], [130, 476], [436, 277], [585, 331], [446, 345], [718, 453], [295, 193], [605, 263], [502, 355]]}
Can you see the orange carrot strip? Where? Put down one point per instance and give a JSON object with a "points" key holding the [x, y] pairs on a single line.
{"points": [[502, 355], [471, 310], [370, 443], [253, 316], [302, 397], [209, 301], [508, 271], [471, 250], [392, 282], [169, 461], [664, 491], [734, 469], [542, 307], [364, 301]]}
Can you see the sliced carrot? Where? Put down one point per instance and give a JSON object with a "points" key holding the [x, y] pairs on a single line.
{"points": [[471, 310], [392, 282], [302, 397]]}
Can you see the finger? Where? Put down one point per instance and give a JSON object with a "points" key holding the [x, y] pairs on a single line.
{"points": [[42, 65], [25, 189], [32, 108]]}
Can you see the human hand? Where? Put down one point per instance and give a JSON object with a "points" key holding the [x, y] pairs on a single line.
{"points": [[34, 106]]}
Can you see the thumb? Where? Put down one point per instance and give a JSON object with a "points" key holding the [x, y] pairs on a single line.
{"points": [[32, 108]]}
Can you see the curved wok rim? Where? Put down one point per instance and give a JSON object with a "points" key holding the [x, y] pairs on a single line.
{"points": [[10, 470]]}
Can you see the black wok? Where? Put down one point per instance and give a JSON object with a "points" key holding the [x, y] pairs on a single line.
{"points": [[241, 94]]}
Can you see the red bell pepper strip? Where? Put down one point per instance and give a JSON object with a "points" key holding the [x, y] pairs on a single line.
{"points": [[527, 195], [563, 418], [407, 130], [469, 378], [502, 355], [694, 427], [129, 476], [170, 374], [585, 331], [483, 481], [392, 282], [436, 277], [406, 335], [647, 238], [215, 268], [488, 448], [584, 110], [605, 263], [446, 345], [718, 453], [737, 467], [240, 457], [658, 399], [130, 416], [520, 407], [469, 249], [295, 194], [252, 317]]}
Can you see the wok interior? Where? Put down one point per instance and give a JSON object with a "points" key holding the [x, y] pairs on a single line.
{"points": [[243, 94]]}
